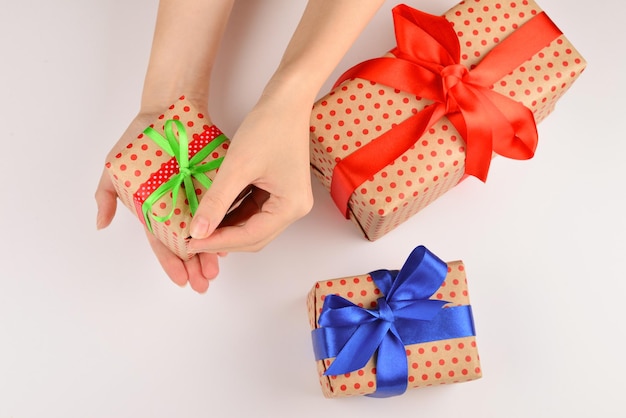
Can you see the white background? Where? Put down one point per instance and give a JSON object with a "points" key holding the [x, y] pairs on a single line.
{"points": [[90, 326]]}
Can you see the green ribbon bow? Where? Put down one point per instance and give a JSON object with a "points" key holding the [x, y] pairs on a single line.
{"points": [[188, 168]]}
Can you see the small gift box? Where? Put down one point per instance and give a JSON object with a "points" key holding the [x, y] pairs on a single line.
{"points": [[380, 333], [398, 131], [162, 173]]}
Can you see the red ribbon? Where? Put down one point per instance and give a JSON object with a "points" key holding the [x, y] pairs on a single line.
{"points": [[426, 63]]}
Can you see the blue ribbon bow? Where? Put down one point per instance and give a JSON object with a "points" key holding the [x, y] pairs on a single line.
{"points": [[404, 315]]}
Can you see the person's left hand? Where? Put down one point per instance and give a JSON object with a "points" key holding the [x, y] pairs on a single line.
{"points": [[200, 269]]}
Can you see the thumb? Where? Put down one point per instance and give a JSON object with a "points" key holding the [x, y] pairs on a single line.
{"points": [[106, 200], [216, 202]]}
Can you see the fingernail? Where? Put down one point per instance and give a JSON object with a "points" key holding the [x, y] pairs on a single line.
{"points": [[99, 222], [199, 228]]}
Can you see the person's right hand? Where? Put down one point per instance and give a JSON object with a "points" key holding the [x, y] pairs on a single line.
{"points": [[268, 154], [200, 269]]}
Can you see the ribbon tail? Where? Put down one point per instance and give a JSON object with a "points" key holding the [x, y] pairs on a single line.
{"points": [[359, 348], [208, 149], [520, 141], [391, 367], [203, 179], [172, 185], [490, 123], [479, 117], [190, 193], [199, 170]]}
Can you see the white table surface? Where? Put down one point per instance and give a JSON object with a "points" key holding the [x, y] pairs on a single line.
{"points": [[90, 326]]}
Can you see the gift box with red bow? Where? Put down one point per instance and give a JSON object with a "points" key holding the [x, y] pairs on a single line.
{"points": [[161, 175], [398, 131], [381, 333]]}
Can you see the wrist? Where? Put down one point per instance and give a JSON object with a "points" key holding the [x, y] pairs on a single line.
{"points": [[155, 100], [292, 87]]}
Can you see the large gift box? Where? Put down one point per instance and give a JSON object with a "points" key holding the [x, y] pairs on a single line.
{"points": [[398, 131], [380, 333], [161, 174]]}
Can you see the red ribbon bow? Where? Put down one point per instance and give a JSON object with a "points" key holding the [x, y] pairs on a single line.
{"points": [[426, 63]]}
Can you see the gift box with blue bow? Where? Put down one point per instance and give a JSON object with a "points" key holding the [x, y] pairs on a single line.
{"points": [[381, 333]]}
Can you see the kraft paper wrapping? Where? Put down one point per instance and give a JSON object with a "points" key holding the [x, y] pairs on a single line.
{"points": [[358, 111]]}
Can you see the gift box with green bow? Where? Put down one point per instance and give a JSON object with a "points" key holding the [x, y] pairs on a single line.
{"points": [[398, 131], [381, 333], [161, 175]]}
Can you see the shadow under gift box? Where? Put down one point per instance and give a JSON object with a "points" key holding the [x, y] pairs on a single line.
{"points": [[430, 362], [382, 187], [143, 166]]}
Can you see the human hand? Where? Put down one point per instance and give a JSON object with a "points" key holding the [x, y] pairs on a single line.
{"points": [[200, 269], [270, 152]]}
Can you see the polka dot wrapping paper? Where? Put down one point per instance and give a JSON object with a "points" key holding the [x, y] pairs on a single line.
{"points": [[429, 363], [357, 111], [143, 165]]}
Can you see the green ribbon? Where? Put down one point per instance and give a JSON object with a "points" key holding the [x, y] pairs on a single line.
{"points": [[188, 168]]}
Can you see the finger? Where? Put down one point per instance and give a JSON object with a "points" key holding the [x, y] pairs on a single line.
{"points": [[171, 264], [251, 236], [209, 264], [228, 184], [106, 200], [198, 282]]}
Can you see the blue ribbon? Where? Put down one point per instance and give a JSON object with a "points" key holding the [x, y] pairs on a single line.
{"points": [[404, 315]]}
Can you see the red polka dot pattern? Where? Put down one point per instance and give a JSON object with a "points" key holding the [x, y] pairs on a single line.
{"points": [[433, 363], [358, 111], [142, 166]]}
